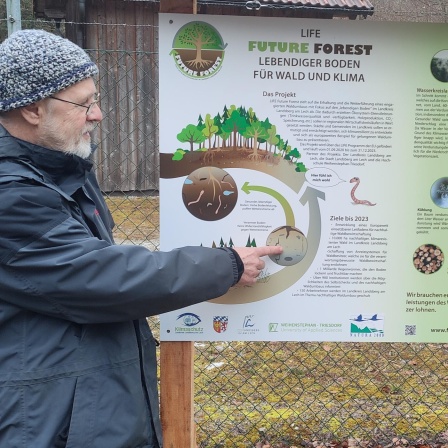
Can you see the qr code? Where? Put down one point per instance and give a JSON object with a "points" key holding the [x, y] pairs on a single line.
{"points": [[410, 330]]}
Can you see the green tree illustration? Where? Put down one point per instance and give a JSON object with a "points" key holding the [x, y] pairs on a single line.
{"points": [[251, 116], [237, 128], [200, 123], [191, 134], [273, 139], [224, 137], [199, 36], [217, 122], [293, 155], [280, 144], [267, 126], [255, 131], [200, 126], [233, 125], [286, 148], [210, 129]]}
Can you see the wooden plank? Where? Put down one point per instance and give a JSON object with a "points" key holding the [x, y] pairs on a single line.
{"points": [[176, 394], [177, 358], [127, 157], [179, 6]]}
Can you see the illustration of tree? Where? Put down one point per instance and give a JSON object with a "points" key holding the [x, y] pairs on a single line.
{"points": [[286, 151], [251, 116], [267, 126], [293, 154], [210, 129], [233, 125], [231, 110], [238, 128], [286, 147], [224, 137], [280, 144], [191, 134], [231, 244], [200, 36], [273, 138], [217, 123], [255, 131], [200, 125]]}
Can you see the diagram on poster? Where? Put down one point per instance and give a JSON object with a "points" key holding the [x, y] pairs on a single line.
{"points": [[309, 135], [238, 140]]}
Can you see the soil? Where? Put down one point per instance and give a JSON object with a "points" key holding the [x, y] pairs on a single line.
{"points": [[232, 158]]}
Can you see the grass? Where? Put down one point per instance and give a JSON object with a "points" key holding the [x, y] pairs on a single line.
{"points": [[298, 392], [136, 219]]}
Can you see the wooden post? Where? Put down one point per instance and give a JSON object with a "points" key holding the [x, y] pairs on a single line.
{"points": [[177, 394], [177, 358]]}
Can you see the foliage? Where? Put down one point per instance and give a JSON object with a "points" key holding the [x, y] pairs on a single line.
{"points": [[136, 219], [198, 36], [179, 154], [238, 129], [191, 134], [320, 394]]}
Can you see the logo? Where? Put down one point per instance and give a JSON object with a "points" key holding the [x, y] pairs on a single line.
{"points": [[220, 323], [189, 319], [367, 326], [190, 322], [273, 327], [249, 325], [248, 322], [198, 50]]}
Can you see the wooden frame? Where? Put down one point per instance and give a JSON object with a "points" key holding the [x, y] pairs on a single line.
{"points": [[177, 358]]}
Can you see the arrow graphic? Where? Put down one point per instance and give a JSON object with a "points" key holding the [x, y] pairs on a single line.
{"points": [[289, 214], [290, 275]]}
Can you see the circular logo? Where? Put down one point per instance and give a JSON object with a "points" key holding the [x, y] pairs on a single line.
{"points": [[198, 50], [439, 66]]}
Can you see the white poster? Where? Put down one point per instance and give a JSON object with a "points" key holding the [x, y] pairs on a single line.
{"points": [[327, 137]]}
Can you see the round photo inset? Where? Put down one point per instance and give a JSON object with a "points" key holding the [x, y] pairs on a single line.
{"points": [[209, 193], [294, 245], [439, 66], [428, 258], [439, 192]]}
